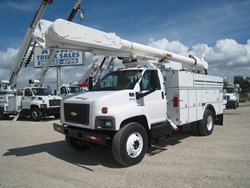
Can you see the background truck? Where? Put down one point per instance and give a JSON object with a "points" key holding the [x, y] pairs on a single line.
{"points": [[38, 102], [155, 93], [35, 102], [68, 89], [232, 96]]}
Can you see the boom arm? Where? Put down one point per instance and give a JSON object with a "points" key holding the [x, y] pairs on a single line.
{"points": [[27, 42], [64, 34], [41, 75]]}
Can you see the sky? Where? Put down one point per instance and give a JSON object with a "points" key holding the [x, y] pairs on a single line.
{"points": [[218, 31]]}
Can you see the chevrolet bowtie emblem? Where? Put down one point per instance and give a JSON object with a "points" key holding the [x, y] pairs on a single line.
{"points": [[73, 113]]}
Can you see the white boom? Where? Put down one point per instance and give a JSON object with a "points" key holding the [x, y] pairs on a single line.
{"points": [[41, 75], [65, 34]]}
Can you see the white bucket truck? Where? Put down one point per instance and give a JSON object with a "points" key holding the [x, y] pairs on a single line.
{"points": [[157, 92]]}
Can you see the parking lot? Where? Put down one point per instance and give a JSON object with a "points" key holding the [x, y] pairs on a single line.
{"points": [[33, 155]]}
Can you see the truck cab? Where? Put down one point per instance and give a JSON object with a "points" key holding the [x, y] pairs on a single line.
{"points": [[128, 92]]}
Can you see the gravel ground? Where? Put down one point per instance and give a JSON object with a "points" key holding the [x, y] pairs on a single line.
{"points": [[33, 155]]}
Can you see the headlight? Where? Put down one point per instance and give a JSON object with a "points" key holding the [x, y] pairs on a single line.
{"points": [[108, 124], [104, 122], [43, 105]]}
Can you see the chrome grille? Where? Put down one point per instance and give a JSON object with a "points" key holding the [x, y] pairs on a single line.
{"points": [[54, 102]]}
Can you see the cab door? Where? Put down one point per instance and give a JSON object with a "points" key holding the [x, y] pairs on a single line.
{"points": [[154, 101], [26, 100]]}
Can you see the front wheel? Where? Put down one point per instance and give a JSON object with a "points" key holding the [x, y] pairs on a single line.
{"points": [[36, 114], [206, 125], [130, 144]]}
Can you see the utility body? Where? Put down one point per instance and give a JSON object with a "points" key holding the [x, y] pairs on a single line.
{"points": [[155, 93]]}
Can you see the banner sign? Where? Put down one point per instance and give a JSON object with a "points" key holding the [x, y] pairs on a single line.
{"points": [[63, 57]]}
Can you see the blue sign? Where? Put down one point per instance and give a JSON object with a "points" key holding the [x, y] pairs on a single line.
{"points": [[63, 57]]}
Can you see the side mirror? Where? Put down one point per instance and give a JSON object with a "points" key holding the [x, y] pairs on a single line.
{"points": [[90, 82]]}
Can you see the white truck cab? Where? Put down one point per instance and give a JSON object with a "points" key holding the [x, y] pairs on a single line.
{"points": [[232, 97], [68, 89], [38, 102]]}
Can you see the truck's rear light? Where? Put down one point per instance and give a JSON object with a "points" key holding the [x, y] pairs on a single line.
{"points": [[176, 101], [104, 110]]}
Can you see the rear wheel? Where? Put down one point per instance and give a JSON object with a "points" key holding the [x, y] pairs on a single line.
{"points": [[130, 144], [195, 128], [206, 125], [76, 144], [2, 116]]}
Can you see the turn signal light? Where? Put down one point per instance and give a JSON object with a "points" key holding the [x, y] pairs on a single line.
{"points": [[104, 110]]}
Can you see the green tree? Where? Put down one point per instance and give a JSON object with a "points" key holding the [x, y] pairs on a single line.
{"points": [[242, 81]]}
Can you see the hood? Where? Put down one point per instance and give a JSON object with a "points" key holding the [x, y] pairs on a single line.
{"points": [[95, 95]]}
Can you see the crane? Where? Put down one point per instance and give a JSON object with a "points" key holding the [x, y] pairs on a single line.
{"points": [[64, 34]]}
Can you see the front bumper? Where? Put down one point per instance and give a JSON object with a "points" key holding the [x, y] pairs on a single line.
{"points": [[231, 104], [50, 111], [83, 134]]}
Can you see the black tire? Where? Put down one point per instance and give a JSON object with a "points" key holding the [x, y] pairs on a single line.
{"points": [[36, 114], [206, 125], [235, 105], [195, 128], [76, 144], [57, 116], [2, 116], [130, 144]]}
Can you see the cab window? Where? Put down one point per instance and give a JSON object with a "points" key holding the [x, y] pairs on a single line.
{"points": [[146, 81]]}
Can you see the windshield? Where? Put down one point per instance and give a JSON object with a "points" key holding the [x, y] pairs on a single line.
{"points": [[75, 89], [118, 80], [230, 90], [40, 91]]}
